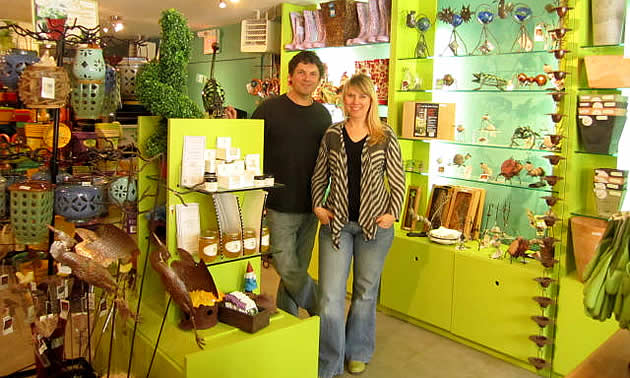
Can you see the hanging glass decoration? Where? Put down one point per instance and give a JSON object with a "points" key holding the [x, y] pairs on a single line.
{"points": [[487, 41], [522, 14], [456, 43], [421, 23]]}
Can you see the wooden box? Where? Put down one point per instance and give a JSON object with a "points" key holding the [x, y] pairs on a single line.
{"points": [[340, 20], [243, 321], [426, 120], [601, 74]]}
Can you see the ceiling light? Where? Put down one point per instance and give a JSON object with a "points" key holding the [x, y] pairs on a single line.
{"points": [[114, 24], [234, 1], [222, 4]]}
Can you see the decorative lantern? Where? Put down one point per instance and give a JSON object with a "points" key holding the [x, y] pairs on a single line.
{"points": [[123, 189], [89, 64], [87, 99], [112, 101], [128, 69], [78, 202], [35, 77], [31, 211]]}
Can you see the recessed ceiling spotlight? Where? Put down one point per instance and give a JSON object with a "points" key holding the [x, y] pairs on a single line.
{"points": [[222, 4]]}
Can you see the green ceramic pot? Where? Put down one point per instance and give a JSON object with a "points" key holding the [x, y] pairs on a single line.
{"points": [[31, 211]]}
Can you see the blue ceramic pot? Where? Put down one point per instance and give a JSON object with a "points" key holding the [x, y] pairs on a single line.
{"points": [[13, 66], [89, 64], [79, 203]]}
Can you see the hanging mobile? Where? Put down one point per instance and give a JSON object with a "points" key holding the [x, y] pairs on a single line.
{"points": [[523, 42], [485, 45], [456, 41], [422, 23]]}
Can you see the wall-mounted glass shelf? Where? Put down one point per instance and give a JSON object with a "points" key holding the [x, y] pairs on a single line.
{"points": [[415, 172], [488, 146], [341, 47], [588, 214], [595, 153], [599, 89], [224, 260], [476, 56], [243, 189], [544, 189], [476, 91], [600, 46]]}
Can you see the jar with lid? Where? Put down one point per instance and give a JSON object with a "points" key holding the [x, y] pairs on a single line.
{"points": [[259, 180], [210, 182], [249, 241], [264, 240], [269, 180], [209, 246], [232, 244]]}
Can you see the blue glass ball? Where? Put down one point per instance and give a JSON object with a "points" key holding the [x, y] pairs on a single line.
{"points": [[522, 13], [423, 24], [456, 20], [485, 17]]}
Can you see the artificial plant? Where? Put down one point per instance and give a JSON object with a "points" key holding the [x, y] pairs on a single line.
{"points": [[161, 85]]}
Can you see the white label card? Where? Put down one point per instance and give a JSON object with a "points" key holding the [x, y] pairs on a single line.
{"points": [[48, 87]]}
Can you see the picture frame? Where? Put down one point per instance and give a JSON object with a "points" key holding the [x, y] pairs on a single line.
{"points": [[439, 204], [463, 209], [412, 202]]}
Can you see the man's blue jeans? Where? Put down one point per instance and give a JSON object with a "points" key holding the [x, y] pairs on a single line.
{"points": [[293, 236], [352, 339]]}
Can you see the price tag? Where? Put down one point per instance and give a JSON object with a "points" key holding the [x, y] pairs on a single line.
{"points": [[4, 281], [7, 325], [64, 305], [48, 87], [102, 308]]}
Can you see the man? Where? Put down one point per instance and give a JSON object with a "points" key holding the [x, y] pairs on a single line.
{"points": [[294, 126]]}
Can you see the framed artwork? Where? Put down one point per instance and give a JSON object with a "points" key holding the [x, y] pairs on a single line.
{"points": [[439, 204], [463, 209], [411, 208]]}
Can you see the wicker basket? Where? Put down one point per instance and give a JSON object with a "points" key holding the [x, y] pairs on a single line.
{"points": [[30, 87], [340, 20]]}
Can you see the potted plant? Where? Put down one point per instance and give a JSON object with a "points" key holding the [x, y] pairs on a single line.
{"points": [[55, 22]]}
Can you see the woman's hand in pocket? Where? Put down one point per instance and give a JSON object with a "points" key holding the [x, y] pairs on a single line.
{"points": [[324, 215], [385, 221]]}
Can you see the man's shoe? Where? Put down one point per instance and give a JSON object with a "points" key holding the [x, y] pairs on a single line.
{"points": [[356, 367]]}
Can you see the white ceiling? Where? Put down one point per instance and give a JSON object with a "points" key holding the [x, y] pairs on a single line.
{"points": [[141, 16]]}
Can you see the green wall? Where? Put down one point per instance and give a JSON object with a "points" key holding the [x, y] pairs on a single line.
{"points": [[233, 69]]}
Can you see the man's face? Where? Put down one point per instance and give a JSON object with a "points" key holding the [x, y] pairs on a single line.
{"points": [[305, 79]]}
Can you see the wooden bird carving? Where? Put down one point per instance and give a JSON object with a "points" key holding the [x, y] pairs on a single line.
{"points": [[107, 244], [83, 267], [174, 284]]}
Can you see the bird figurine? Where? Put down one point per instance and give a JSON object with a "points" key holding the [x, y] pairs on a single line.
{"points": [[174, 284], [83, 267]]}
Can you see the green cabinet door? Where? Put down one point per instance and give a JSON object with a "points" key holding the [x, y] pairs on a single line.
{"points": [[418, 281], [492, 303]]}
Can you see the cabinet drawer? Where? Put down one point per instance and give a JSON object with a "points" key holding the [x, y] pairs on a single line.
{"points": [[418, 281], [492, 304]]}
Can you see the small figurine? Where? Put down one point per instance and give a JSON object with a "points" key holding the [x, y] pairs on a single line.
{"points": [[250, 279], [489, 79]]}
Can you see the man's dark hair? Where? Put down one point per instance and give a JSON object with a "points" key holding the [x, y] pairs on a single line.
{"points": [[306, 57]]}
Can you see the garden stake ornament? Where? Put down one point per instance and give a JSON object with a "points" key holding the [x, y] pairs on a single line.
{"points": [[487, 41], [422, 24], [448, 16]]}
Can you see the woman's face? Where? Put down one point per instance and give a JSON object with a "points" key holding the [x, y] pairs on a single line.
{"points": [[356, 103]]}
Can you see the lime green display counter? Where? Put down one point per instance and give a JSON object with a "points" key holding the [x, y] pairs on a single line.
{"points": [[288, 345]]}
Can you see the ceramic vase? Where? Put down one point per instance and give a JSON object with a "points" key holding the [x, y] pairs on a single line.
{"points": [[123, 189], [89, 64], [87, 99], [128, 68], [608, 19]]}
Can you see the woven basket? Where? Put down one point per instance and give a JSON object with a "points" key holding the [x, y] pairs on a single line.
{"points": [[30, 87], [340, 20]]}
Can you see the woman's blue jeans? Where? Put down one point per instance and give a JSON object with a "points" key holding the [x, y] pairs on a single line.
{"points": [[352, 339]]}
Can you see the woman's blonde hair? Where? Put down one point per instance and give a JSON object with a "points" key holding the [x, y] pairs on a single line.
{"points": [[365, 85]]}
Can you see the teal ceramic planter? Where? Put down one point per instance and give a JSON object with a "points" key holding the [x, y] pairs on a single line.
{"points": [[89, 65], [87, 100]]}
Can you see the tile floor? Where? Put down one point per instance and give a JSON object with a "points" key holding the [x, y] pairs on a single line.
{"points": [[406, 351]]}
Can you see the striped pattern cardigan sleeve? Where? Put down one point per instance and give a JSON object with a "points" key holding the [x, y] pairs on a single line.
{"points": [[378, 195]]}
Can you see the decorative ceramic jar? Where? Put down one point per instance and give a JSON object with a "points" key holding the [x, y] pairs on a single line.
{"points": [[123, 189], [111, 101], [31, 211], [87, 99], [13, 66], [79, 202], [128, 69], [89, 64]]}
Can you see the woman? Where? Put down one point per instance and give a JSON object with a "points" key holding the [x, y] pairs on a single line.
{"points": [[356, 223]]}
